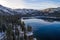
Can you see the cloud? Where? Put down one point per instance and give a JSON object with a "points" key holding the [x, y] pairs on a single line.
{"points": [[31, 4], [13, 3], [42, 4]]}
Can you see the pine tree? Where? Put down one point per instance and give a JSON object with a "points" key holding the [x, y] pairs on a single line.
{"points": [[9, 33], [29, 28]]}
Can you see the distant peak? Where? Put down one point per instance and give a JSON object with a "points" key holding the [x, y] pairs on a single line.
{"points": [[0, 5]]}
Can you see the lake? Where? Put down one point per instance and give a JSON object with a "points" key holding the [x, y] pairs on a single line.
{"points": [[45, 29]]}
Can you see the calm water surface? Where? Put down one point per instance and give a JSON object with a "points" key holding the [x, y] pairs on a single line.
{"points": [[44, 29]]}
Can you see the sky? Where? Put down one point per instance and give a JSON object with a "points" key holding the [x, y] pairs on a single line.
{"points": [[30, 4]]}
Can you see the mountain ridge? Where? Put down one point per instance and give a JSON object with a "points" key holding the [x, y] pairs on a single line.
{"points": [[29, 12]]}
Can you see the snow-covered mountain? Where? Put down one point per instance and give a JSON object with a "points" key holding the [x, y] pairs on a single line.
{"points": [[51, 10], [29, 12], [9, 11], [6, 11], [25, 11]]}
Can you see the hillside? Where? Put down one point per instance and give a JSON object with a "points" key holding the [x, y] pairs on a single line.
{"points": [[52, 12]]}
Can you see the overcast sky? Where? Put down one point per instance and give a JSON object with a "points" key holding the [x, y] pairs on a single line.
{"points": [[30, 4]]}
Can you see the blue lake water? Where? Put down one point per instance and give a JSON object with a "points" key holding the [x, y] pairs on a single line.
{"points": [[44, 29]]}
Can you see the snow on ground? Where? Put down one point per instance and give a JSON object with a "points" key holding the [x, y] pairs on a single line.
{"points": [[29, 33], [1, 35]]}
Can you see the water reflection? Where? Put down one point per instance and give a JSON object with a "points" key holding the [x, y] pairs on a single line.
{"points": [[45, 29], [51, 20]]}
